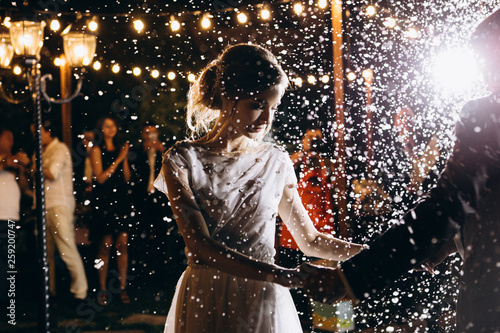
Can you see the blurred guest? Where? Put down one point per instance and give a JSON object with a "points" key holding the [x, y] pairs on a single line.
{"points": [[150, 205], [110, 224], [11, 174], [60, 206]]}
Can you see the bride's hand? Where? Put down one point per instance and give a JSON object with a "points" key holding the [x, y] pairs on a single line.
{"points": [[290, 277]]}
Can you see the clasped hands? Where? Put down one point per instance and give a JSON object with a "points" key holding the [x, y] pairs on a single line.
{"points": [[322, 284]]}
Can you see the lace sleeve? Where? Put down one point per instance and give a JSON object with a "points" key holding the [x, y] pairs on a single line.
{"points": [[177, 166]]}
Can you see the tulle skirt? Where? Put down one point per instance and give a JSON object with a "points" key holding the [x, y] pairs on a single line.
{"points": [[208, 300]]}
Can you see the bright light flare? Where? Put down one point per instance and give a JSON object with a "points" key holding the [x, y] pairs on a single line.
{"points": [[57, 62], [455, 70], [97, 65], [171, 75], [17, 70], [155, 73], [136, 71], [191, 77]]}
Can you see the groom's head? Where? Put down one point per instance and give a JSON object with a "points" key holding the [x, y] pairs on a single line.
{"points": [[485, 41]]}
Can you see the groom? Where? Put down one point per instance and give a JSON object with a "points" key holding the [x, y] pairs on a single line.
{"points": [[462, 213]]}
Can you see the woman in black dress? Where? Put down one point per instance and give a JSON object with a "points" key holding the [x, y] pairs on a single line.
{"points": [[112, 174]]}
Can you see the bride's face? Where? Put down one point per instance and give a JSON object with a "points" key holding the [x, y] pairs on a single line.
{"points": [[253, 116]]}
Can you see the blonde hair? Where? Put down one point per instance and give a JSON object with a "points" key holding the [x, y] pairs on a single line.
{"points": [[241, 71]]}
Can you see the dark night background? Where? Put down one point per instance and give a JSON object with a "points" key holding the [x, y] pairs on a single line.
{"points": [[303, 44]]}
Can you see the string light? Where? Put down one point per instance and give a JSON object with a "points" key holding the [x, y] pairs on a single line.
{"points": [[155, 73], [351, 76], [322, 4], [171, 75], [57, 62], [17, 70], [325, 79], [136, 71], [205, 22], [265, 14], [6, 22], [298, 81], [298, 8], [138, 25], [242, 18], [116, 68], [191, 77], [311, 79], [174, 24], [97, 65]]}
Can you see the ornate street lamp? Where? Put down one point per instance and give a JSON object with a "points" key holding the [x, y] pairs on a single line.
{"points": [[26, 38]]}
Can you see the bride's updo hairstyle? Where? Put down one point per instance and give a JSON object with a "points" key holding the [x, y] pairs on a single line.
{"points": [[241, 71]]}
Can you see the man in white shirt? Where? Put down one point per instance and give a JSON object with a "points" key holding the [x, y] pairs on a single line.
{"points": [[60, 207]]}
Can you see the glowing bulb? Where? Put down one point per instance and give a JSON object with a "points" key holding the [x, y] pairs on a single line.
{"points": [[191, 77], [138, 25], [6, 22], [311, 79], [155, 73], [242, 18], [175, 25], [298, 81], [371, 10], [322, 4], [93, 26], [57, 61], [136, 71], [351, 76], [265, 14], [390, 22], [205, 22], [298, 8], [55, 25], [17, 70], [115, 68], [97, 65], [325, 78], [171, 75]]}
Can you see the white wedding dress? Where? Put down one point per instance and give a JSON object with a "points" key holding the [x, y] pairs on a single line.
{"points": [[238, 196]]}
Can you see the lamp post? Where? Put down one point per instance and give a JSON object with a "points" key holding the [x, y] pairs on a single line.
{"points": [[26, 38]]}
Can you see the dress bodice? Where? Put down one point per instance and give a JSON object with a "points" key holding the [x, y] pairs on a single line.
{"points": [[238, 194]]}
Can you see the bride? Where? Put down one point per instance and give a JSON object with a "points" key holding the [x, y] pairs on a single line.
{"points": [[226, 189]]}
